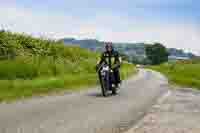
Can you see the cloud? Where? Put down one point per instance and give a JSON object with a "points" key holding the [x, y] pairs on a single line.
{"points": [[24, 20], [104, 26]]}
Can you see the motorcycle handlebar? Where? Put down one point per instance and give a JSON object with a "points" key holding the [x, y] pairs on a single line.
{"points": [[101, 65]]}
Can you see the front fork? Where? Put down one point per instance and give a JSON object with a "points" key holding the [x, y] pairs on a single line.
{"points": [[111, 80]]}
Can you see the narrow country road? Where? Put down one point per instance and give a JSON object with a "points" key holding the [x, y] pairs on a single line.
{"points": [[85, 111]]}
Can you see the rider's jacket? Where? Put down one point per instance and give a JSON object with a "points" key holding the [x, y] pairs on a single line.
{"points": [[110, 58]]}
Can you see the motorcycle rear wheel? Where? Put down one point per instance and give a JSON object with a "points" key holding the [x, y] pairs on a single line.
{"points": [[114, 90]]}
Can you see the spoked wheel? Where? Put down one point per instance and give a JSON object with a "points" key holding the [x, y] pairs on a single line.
{"points": [[105, 87]]}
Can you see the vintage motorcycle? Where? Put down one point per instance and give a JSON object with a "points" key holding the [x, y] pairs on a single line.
{"points": [[107, 80]]}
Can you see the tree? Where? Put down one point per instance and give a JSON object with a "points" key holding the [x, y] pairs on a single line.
{"points": [[156, 53], [140, 60]]}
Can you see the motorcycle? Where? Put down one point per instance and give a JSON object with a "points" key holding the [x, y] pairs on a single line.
{"points": [[107, 80]]}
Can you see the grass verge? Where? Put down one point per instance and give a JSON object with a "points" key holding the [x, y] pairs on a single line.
{"points": [[186, 75]]}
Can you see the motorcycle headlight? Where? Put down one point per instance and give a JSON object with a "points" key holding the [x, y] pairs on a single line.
{"points": [[103, 73], [106, 68]]}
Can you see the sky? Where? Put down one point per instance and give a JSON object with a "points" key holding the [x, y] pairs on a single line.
{"points": [[175, 23]]}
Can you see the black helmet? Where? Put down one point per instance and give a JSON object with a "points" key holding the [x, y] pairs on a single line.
{"points": [[108, 45]]}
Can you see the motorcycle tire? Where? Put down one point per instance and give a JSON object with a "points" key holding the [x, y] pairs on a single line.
{"points": [[104, 87]]}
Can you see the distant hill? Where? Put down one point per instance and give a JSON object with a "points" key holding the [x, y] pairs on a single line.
{"points": [[91, 44], [132, 50], [180, 53]]}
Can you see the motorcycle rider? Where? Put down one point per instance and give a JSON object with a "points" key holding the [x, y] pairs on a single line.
{"points": [[112, 58]]}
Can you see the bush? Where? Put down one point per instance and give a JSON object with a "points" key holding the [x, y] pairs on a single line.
{"points": [[31, 66]]}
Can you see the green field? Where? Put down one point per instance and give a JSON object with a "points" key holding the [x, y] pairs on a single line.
{"points": [[35, 66], [187, 75]]}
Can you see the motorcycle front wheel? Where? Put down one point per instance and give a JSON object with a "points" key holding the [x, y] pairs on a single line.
{"points": [[105, 86]]}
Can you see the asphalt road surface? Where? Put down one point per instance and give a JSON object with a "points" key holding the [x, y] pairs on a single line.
{"points": [[176, 112], [85, 111]]}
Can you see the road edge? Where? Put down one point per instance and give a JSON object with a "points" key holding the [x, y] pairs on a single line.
{"points": [[161, 99]]}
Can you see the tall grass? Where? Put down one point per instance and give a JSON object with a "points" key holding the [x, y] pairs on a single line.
{"points": [[35, 66], [182, 74], [127, 70], [19, 88]]}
